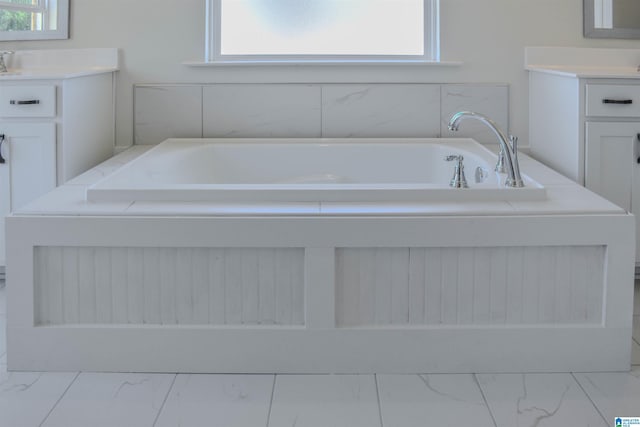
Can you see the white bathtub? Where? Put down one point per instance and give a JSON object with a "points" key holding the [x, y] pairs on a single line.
{"points": [[310, 170]]}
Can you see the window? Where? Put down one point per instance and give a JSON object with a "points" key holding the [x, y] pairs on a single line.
{"points": [[33, 19], [322, 30]]}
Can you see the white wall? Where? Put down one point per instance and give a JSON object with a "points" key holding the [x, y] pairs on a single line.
{"points": [[489, 36]]}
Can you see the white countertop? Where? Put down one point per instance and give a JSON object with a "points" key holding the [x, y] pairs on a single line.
{"points": [[584, 62], [586, 72], [54, 73], [59, 63]]}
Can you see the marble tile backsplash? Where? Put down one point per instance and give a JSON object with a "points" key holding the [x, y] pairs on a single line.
{"points": [[314, 110]]}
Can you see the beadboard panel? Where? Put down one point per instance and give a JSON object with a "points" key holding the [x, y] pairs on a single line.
{"points": [[469, 286], [169, 286]]}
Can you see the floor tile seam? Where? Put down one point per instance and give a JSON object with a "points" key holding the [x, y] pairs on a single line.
{"points": [[590, 399], [273, 392], [64, 393], [164, 401], [375, 379], [484, 398]]}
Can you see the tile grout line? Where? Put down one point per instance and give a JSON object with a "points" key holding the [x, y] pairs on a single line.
{"points": [[273, 392], [486, 402], [375, 378], [589, 397], [59, 399], [175, 376]]}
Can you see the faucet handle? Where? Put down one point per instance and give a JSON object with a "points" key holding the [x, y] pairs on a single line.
{"points": [[452, 157]]}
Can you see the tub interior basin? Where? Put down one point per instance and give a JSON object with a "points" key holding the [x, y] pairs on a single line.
{"points": [[309, 170]]}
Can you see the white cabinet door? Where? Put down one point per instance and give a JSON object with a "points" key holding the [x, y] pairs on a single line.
{"points": [[29, 171], [611, 165]]}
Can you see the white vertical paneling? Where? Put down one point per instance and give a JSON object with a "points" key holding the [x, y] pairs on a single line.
{"points": [[42, 296], [399, 283], [564, 286], [296, 265], [417, 289], [433, 285], [466, 264], [515, 283], [70, 292], [54, 285], [183, 291], [366, 310], [102, 274], [449, 303], [267, 297], [482, 286], [382, 289], [200, 285], [233, 286], [530, 273], [151, 285], [135, 292], [319, 289], [347, 297], [283, 290], [250, 287], [373, 286], [171, 286], [458, 286], [167, 286], [119, 294], [217, 287], [87, 286], [595, 284], [498, 286], [546, 285]]}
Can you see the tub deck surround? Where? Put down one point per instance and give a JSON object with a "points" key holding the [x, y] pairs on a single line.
{"points": [[309, 170], [317, 287]]}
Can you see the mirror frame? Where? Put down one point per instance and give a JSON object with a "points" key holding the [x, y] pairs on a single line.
{"points": [[590, 31], [61, 33]]}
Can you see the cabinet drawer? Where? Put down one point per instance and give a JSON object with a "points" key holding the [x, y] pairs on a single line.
{"points": [[613, 100], [28, 101]]}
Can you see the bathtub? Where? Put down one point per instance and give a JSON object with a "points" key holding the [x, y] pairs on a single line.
{"points": [[310, 170], [365, 287]]}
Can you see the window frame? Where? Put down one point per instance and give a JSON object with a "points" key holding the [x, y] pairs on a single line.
{"points": [[44, 7], [213, 53]]}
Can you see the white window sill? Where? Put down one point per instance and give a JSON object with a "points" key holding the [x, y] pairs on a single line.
{"points": [[323, 63]]}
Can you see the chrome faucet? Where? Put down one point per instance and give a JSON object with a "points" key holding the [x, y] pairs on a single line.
{"points": [[3, 66], [508, 157]]}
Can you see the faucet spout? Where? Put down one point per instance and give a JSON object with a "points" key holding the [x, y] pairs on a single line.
{"points": [[507, 150]]}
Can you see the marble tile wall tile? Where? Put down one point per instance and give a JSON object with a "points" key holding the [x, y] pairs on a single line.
{"points": [[380, 110], [490, 100], [166, 111], [268, 110], [314, 110]]}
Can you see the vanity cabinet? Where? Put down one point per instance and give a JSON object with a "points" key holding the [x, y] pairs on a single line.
{"points": [[589, 130], [54, 129]]}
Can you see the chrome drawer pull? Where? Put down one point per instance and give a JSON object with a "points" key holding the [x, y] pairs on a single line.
{"points": [[29, 102], [617, 101]]}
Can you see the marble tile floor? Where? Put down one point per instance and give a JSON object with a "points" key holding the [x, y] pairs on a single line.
{"points": [[500, 400]]}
